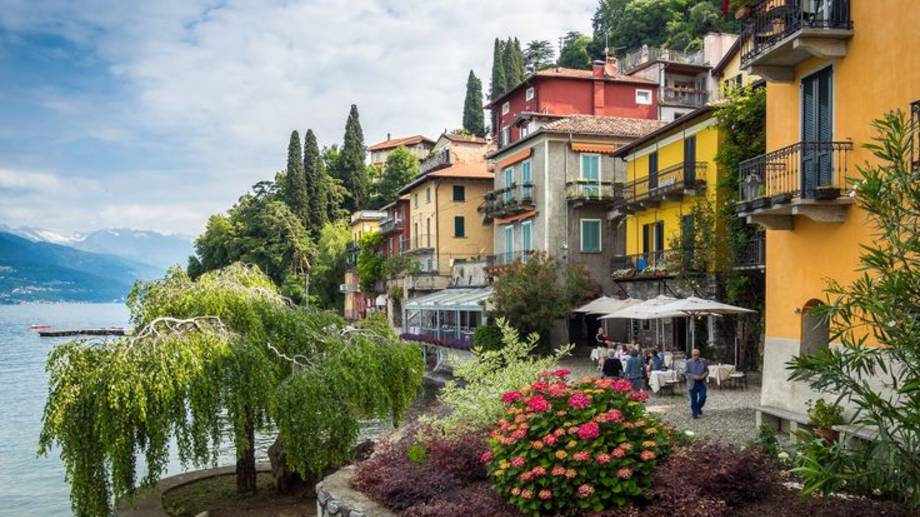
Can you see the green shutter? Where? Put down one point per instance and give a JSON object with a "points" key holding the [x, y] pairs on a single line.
{"points": [[459, 226], [590, 236]]}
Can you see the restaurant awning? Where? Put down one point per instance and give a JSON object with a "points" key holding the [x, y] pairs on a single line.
{"points": [[647, 310], [461, 299]]}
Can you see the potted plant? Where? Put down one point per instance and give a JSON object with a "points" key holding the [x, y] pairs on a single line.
{"points": [[742, 8], [824, 416]]}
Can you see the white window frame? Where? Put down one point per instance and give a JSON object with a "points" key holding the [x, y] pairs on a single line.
{"points": [[506, 107], [529, 93], [508, 244], [523, 131], [600, 235], [505, 135], [640, 93], [529, 226]]}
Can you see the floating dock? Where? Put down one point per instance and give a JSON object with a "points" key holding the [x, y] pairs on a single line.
{"points": [[112, 331]]}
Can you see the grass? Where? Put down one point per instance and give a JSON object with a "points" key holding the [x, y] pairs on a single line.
{"points": [[217, 496]]}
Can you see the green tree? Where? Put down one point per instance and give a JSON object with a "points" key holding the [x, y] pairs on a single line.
{"points": [[473, 117], [329, 266], [353, 170], [370, 262], [513, 62], [315, 170], [295, 188], [538, 55], [400, 168], [875, 366], [678, 24], [336, 192], [574, 53], [224, 348], [216, 247], [532, 295], [499, 83]]}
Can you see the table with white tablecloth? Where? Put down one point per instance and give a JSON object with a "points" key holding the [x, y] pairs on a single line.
{"points": [[660, 378], [720, 372]]}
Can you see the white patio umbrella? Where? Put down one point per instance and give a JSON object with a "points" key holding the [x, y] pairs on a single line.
{"points": [[590, 306], [607, 305], [694, 306], [647, 310]]}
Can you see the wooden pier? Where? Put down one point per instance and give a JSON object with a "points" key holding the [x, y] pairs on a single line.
{"points": [[112, 331]]}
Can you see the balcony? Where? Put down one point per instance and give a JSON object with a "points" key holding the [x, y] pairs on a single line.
{"points": [[684, 96], [653, 264], [780, 34], [508, 201], [418, 244], [435, 161], [392, 225], [638, 58], [807, 178], [752, 254], [672, 183], [584, 192]]}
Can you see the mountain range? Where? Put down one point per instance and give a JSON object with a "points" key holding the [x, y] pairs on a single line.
{"points": [[39, 265]]}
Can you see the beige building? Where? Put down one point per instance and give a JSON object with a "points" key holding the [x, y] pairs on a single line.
{"points": [[418, 145], [356, 303]]}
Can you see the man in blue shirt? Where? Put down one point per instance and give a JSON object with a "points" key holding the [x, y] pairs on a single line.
{"points": [[696, 372], [634, 369]]}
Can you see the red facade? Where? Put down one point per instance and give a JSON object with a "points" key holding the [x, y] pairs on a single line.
{"points": [[395, 228], [563, 91]]}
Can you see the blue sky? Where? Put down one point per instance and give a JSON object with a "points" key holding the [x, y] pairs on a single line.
{"points": [[157, 114]]}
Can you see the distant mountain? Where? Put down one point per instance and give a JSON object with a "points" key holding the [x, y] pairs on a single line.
{"points": [[147, 247], [40, 271]]}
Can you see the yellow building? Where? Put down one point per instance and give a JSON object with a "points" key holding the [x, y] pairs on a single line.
{"points": [[832, 66], [667, 172], [362, 222]]}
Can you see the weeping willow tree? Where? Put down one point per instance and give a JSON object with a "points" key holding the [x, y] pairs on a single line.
{"points": [[225, 347]]}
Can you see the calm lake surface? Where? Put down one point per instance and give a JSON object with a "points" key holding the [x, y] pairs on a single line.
{"points": [[32, 485]]}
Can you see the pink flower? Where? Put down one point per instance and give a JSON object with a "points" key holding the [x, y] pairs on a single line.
{"points": [[545, 494], [559, 432], [525, 476], [618, 453], [538, 471], [639, 396], [585, 490], [486, 457], [549, 439], [557, 390], [561, 372], [647, 455], [538, 404], [527, 494], [603, 459], [579, 401], [517, 461], [519, 434], [622, 386], [536, 445], [624, 473], [589, 431], [558, 470], [511, 397], [538, 386], [582, 456], [615, 415]]}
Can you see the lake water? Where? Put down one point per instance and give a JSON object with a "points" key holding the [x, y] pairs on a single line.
{"points": [[32, 485]]}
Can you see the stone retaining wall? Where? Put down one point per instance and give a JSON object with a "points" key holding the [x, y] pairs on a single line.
{"points": [[336, 498]]}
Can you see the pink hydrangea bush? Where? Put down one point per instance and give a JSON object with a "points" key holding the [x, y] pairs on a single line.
{"points": [[588, 444]]}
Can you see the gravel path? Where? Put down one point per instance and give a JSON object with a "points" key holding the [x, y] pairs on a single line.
{"points": [[728, 416]]}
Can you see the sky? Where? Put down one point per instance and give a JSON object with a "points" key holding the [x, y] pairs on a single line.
{"points": [[155, 115]]}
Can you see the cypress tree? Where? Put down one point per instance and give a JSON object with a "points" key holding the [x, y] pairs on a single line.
{"points": [[473, 118], [499, 84], [514, 66], [519, 62], [316, 186], [295, 187], [353, 170]]}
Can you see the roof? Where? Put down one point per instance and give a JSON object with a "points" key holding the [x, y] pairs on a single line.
{"points": [[693, 115], [467, 139], [451, 299], [604, 126], [396, 142], [462, 170], [368, 215], [726, 59], [568, 73]]}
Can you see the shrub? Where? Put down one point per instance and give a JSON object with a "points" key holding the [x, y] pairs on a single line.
{"points": [[487, 337], [589, 445], [473, 398], [766, 441]]}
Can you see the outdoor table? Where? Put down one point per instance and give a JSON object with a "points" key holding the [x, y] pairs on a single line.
{"points": [[720, 372], [659, 378]]}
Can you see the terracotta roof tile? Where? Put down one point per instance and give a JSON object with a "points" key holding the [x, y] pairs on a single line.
{"points": [[472, 139], [604, 126], [461, 170], [396, 142]]}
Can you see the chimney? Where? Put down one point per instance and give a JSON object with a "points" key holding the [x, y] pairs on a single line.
{"points": [[388, 137], [598, 68], [610, 69]]}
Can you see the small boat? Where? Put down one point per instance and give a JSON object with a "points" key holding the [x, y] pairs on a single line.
{"points": [[39, 326]]}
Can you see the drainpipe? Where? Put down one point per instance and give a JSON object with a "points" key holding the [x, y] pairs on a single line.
{"points": [[565, 180], [437, 234]]}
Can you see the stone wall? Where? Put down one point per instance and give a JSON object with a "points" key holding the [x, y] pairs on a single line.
{"points": [[335, 497]]}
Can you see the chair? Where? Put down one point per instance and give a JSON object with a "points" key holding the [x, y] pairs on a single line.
{"points": [[738, 379]]}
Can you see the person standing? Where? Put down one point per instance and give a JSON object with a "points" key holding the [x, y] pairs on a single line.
{"points": [[696, 372], [635, 369], [612, 367]]}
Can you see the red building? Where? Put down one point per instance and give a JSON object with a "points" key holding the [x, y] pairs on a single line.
{"points": [[394, 229], [556, 92]]}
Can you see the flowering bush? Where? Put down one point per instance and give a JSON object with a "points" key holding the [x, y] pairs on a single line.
{"points": [[589, 444]]}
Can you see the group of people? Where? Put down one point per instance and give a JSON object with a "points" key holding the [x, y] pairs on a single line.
{"points": [[623, 361]]}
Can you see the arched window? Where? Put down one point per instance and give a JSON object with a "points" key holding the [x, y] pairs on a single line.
{"points": [[816, 332]]}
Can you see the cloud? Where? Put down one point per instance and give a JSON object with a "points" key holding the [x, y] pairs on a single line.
{"points": [[214, 88]]}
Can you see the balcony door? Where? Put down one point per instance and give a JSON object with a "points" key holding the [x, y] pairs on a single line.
{"points": [[509, 184], [690, 160], [591, 174], [817, 132], [509, 244], [653, 171], [526, 181]]}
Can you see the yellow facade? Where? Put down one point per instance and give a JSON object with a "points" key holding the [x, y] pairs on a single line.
{"points": [[880, 72], [670, 149], [433, 214], [361, 225], [732, 75]]}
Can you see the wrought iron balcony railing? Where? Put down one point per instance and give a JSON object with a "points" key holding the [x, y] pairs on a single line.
{"points": [[586, 190], [392, 224], [772, 21], [752, 253], [806, 170], [674, 180], [509, 200], [646, 54]]}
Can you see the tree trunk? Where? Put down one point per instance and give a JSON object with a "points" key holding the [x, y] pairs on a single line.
{"points": [[246, 466]]}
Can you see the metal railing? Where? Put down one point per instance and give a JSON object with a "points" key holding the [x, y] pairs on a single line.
{"points": [[808, 170], [417, 242], [752, 253], [660, 262], [509, 257], [392, 224], [639, 57], [688, 96], [676, 178], [509, 200], [434, 161], [587, 190], [771, 21]]}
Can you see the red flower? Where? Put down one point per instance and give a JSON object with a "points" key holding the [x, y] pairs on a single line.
{"points": [[647, 455], [517, 461], [624, 473], [618, 453], [579, 401], [549, 439], [527, 494], [585, 490], [545, 494], [622, 386], [538, 471], [538, 386], [486, 457], [603, 459], [589, 431], [538, 404], [561, 372], [581, 456], [639, 396], [615, 415], [557, 389], [511, 397]]}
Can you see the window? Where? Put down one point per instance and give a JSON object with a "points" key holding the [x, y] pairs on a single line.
{"points": [[526, 181], [590, 235], [415, 199], [428, 232], [653, 170], [643, 96], [509, 244], [459, 226], [529, 93], [527, 236], [816, 334], [459, 193], [506, 135], [591, 174], [524, 131], [428, 195], [506, 107], [508, 194]]}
